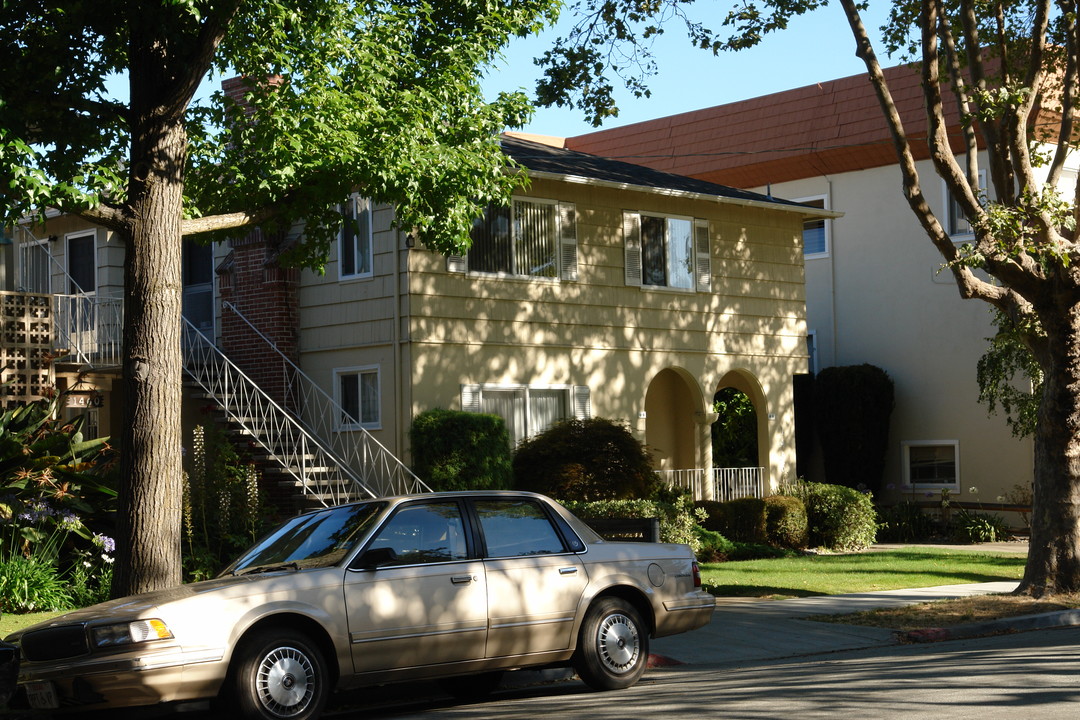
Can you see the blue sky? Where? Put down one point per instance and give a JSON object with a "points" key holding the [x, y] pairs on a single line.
{"points": [[814, 48]]}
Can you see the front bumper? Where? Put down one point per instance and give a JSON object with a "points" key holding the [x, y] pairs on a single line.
{"points": [[165, 674]]}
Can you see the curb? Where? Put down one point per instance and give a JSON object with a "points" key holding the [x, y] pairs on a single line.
{"points": [[1022, 623], [658, 661]]}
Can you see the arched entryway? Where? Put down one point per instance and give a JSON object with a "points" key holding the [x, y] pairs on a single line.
{"points": [[670, 405], [739, 437]]}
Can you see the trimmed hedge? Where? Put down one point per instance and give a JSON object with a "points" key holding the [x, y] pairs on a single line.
{"points": [[786, 523], [678, 519], [840, 518], [455, 450], [741, 520]]}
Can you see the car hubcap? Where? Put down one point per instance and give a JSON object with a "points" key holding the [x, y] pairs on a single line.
{"points": [[285, 682], [618, 643]]}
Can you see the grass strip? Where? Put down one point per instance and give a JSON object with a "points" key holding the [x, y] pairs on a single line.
{"points": [[809, 575]]}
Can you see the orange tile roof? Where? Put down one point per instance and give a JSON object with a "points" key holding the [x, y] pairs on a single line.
{"points": [[821, 129]]}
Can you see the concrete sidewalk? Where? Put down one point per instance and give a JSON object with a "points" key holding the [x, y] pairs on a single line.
{"points": [[749, 629]]}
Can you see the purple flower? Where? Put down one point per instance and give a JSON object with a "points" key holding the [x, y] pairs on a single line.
{"points": [[106, 543]]}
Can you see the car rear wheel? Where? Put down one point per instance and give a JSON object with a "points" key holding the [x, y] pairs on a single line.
{"points": [[280, 674], [613, 648]]}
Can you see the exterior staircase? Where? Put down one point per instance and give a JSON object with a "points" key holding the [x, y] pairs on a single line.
{"points": [[321, 467], [299, 448]]}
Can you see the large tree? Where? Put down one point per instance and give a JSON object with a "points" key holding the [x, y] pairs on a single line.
{"points": [[376, 96], [1010, 70]]}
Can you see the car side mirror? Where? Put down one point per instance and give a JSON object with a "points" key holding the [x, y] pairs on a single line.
{"points": [[375, 558]]}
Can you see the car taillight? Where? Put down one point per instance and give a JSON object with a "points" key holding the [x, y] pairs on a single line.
{"points": [[697, 574]]}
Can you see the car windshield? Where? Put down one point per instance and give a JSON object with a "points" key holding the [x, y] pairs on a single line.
{"points": [[318, 539]]}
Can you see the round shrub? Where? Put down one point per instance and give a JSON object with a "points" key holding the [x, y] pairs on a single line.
{"points": [[454, 450], [786, 524], [840, 518], [592, 459]]}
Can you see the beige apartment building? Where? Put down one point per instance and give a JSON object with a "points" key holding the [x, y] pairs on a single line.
{"points": [[605, 289]]}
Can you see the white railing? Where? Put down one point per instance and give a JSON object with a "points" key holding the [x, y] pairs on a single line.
{"points": [[90, 329], [732, 483], [720, 484]]}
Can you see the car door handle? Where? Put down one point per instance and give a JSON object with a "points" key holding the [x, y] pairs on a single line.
{"points": [[461, 579], [567, 571]]}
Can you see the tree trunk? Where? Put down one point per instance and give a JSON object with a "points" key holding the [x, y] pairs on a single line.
{"points": [[149, 518], [1054, 556]]}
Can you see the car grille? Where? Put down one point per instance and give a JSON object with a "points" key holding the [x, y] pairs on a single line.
{"points": [[55, 643]]}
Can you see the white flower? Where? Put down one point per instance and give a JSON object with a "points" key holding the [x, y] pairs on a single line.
{"points": [[973, 490]]}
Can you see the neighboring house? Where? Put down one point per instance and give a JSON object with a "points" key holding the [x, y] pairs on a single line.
{"points": [[876, 292], [605, 289]]}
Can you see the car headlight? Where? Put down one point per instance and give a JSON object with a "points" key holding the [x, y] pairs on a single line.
{"points": [[126, 633]]}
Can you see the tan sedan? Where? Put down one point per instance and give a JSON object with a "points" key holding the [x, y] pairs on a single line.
{"points": [[462, 585]]}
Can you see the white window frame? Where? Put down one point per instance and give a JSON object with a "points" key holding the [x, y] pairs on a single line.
{"points": [[565, 244], [360, 205], [70, 279], [825, 205], [578, 400], [905, 460], [956, 224], [700, 255], [359, 370]]}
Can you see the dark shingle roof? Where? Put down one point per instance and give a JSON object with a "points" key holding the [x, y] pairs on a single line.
{"points": [[538, 157]]}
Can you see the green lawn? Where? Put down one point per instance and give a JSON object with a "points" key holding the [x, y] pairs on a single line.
{"points": [[861, 572]]}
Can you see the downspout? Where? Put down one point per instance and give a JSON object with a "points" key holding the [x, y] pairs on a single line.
{"points": [[832, 275], [399, 393]]}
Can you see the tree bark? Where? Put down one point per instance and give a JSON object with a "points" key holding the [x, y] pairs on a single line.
{"points": [[1053, 564], [151, 488]]}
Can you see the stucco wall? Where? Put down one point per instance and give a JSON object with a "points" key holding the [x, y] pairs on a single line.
{"points": [[879, 297]]}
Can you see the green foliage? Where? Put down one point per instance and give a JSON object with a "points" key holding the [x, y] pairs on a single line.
{"points": [[840, 518], [742, 520], [593, 459], [974, 527], [1009, 375], [904, 522], [852, 405], [53, 494], [715, 548], [734, 434], [454, 450], [678, 520], [45, 458], [223, 510], [786, 522], [31, 584]]}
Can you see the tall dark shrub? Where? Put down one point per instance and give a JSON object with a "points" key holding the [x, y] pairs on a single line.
{"points": [[852, 405], [455, 450], [593, 459]]}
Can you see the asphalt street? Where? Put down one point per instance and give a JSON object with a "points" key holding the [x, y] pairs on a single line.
{"points": [[1032, 675]]}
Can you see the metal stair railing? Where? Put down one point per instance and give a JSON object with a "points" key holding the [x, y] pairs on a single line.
{"points": [[321, 415], [267, 423], [322, 473]]}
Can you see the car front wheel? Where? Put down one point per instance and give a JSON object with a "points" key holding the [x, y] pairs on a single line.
{"points": [[280, 675], [613, 648]]}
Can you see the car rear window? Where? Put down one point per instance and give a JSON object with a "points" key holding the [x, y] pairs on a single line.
{"points": [[515, 527]]}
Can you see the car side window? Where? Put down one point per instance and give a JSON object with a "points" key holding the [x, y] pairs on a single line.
{"points": [[514, 527], [427, 533]]}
